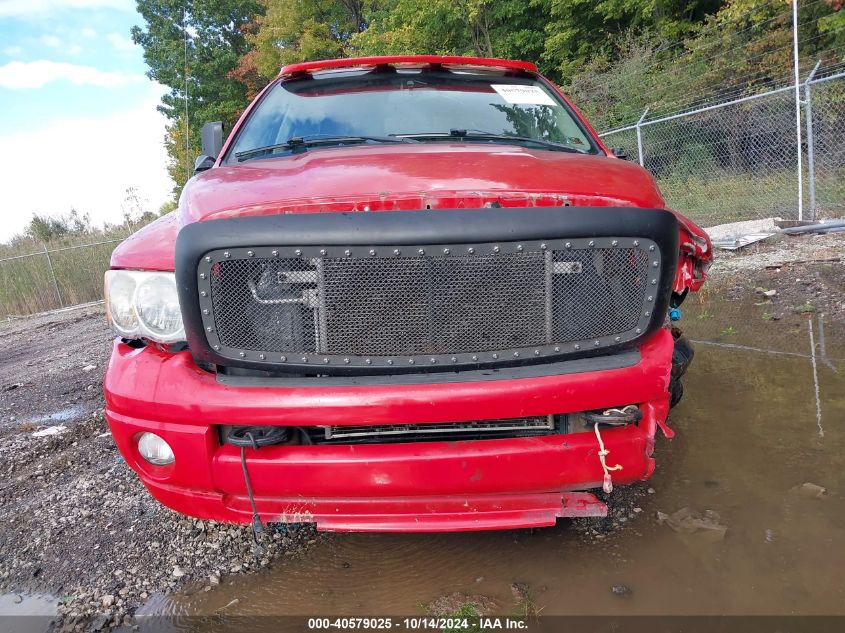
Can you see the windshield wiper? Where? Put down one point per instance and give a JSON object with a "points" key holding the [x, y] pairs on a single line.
{"points": [[480, 135], [304, 142]]}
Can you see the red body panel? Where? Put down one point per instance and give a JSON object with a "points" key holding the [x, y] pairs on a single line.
{"points": [[466, 485], [507, 483], [445, 60]]}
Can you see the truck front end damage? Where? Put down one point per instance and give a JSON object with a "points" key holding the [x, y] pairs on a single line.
{"points": [[413, 371]]}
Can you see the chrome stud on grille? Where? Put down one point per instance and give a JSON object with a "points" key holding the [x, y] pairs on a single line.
{"points": [[568, 245], [209, 329], [346, 360], [615, 243], [495, 249], [202, 275], [557, 349], [346, 252], [543, 246], [250, 254], [646, 313], [389, 361], [262, 356], [618, 338], [655, 264], [433, 360], [636, 242], [495, 356], [283, 359], [475, 357], [205, 311], [470, 250], [421, 251], [536, 352], [241, 354], [638, 331], [577, 346], [323, 252], [216, 347], [454, 360], [446, 251], [207, 259], [304, 359], [372, 251], [274, 253], [396, 251], [411, 361], [592, 243], [519, 247], [650, 298], [653, 282], [326, 360], [368, 362], [297, 252], [227, 254], [651, 248], [596, 343], [203, 293], [516, 354]]}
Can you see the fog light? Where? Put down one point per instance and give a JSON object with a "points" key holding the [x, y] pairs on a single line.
{"points": [[155, 450]]}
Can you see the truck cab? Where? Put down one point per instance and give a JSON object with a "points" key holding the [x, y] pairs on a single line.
{"points": [[405, 294]]}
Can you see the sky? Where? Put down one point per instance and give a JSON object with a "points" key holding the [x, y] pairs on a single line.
{"points": [[78, 119]]}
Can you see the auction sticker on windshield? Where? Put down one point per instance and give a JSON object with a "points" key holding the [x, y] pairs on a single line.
{"points": [[523, 95]]}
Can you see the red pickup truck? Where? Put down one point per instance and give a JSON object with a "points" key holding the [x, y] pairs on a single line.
{"points": [[406, 294]]}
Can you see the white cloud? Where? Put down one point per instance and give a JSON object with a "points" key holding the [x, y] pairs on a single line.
{"points": [[13, 51], [121, 43], [37, 8], [74, 50], [91, 164], [36, 74], [51, 40], [88, 32]]}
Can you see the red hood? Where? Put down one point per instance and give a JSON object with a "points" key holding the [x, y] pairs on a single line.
{"points": [[407, 177], [392, 178]]}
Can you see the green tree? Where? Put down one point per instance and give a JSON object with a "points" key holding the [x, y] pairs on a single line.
{"points": [[192, 46], [483, 28], [289, 31]]}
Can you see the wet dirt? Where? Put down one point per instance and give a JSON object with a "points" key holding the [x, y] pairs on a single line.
{"points": [[762, 416]]}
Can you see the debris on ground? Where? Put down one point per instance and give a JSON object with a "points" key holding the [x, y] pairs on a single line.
{"points": [[737, 235], [623, 591], [687, 521], [50, 430], [811, 490]]}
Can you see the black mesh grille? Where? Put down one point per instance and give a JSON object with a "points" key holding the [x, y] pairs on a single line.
{"points": [[434, 305], [455, 300]]}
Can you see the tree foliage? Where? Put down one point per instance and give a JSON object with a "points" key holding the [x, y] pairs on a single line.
{"points": [[615, 56], [192, 46]]}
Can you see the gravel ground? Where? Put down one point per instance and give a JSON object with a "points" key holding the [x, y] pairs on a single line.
{"points": [[75, 521]]}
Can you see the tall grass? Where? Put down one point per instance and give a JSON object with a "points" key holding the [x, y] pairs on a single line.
{"points": [[37, 277]]}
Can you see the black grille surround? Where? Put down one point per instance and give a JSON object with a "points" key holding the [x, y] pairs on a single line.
{"points": [[373, 293]]}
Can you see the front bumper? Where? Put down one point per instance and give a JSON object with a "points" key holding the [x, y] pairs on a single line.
{"points": [[429, 486]]}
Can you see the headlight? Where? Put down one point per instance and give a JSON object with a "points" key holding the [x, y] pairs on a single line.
{"points": [[144, 304]]}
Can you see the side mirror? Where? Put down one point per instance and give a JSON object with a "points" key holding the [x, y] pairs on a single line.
{"points": [[212, 138], [620, 152], [203, 163]]}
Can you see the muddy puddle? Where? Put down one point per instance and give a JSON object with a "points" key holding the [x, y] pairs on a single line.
{"points": [[763, 414]]}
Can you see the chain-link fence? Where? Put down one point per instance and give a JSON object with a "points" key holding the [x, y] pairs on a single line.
{"points": [[53, 278], [739, 160]]}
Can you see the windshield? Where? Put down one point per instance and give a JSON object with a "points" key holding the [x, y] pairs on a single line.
{"points": [[424, 105]]}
